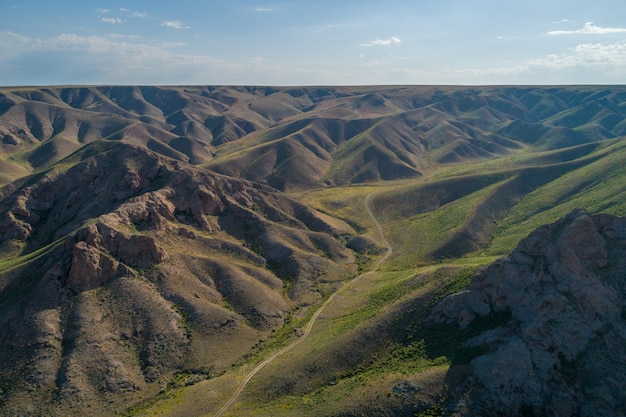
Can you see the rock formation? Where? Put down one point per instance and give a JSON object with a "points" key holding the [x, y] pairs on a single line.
{"points": [[563, 350]]}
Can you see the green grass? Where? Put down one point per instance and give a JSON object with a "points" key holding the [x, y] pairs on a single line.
{"points": [[11, 263], [343, 392], [415, 238], [459, 281], [345, 203], [597, 187], [399, 359], [159, 405], [375, 293], [413, 358], [285, 334]]}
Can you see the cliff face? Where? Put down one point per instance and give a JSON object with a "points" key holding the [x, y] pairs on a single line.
{"points": [[563, 350]]}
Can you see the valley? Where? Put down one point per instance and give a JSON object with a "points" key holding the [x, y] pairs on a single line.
{"points": [[235, 251]]}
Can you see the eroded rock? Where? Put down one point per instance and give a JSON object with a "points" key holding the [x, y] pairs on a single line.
{"points": [[564, 287], [91, 268]]}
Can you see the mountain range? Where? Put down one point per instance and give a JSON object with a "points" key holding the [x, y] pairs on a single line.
{"points": [[157, 242]]}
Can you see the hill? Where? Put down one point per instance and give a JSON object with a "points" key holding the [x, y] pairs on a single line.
{"points": [[302, 138], [126, 266], [157, 243]]}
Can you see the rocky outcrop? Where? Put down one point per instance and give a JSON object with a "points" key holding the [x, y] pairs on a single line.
{"points": [[91, 268], [102, 253], [563, 350]]}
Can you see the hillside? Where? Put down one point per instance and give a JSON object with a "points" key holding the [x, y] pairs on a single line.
{"points": [[127, 266], [300, 138], [158, 243]]}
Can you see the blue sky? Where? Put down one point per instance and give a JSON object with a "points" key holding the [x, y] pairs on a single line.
{"points": [[315, 42]]}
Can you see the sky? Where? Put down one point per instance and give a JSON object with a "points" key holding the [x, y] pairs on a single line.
{"points": [[314, 42]]}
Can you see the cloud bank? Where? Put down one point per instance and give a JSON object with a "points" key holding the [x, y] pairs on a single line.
{"points": [[586, 55], [588, 29]]}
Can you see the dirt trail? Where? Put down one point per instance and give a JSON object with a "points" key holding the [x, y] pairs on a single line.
{"points": [[309, 326]]}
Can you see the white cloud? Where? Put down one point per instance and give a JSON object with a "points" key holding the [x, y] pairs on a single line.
{"points": [[174, 24], [383, 42], [112, 20], [586, 55], [588, 29], [104, 11], [140, 14], [264, 9]]}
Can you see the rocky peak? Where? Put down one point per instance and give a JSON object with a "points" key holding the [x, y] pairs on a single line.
{"points": [[565, 290]]}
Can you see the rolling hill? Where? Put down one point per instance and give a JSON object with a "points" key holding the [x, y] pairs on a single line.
{"points": [[158, 242]]}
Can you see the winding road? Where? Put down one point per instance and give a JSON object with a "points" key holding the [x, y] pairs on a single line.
{"points": [[311, 322]]}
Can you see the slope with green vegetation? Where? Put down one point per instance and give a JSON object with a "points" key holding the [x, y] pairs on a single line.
{"points": [[158, 243]]}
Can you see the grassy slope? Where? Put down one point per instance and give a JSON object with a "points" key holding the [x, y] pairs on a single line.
{"points": [[597, 187]]}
